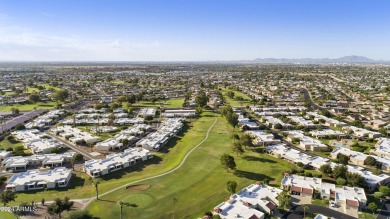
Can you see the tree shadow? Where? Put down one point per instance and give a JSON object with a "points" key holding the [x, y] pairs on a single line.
{"points": [[136, 168], [105, 200], [252, 176], [259, 159]]}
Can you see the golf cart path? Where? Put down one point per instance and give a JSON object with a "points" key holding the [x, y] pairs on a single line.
{"points": [[89, 200]]}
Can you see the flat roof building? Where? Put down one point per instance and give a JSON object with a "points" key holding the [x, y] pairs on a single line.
{"points": [[38, 179], [115, 162]]}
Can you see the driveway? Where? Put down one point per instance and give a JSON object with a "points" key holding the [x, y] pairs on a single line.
{"points": [[296, 212], [385, 211]]}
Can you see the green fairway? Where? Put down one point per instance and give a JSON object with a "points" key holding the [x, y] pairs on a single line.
{"points": [[170, 103], [198, 186], [7, 215], [165, 160], [36, 90], [28, 107], [233, 102]]}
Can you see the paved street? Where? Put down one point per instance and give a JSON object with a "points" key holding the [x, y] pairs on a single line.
{"points": [[296, 212], [385, 211]]}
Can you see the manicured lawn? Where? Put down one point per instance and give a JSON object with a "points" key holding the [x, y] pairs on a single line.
{"points": [[174, 103], [27, 107], [7, 215], [199, 185], [102, 136], [367, 215], [170, 103], [232, 102], [4, 144], [36, 90], [163, 161]]}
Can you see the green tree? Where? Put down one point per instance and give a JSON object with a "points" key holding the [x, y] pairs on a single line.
{"points": [[233, 120], [385, 190], [20, 127], [34, 97], [201, 99], [370, 161], [231, 186], [82, 214], [278, 126], [343, 159], [246, 140], [305, 208], [340, 171], [237, 148], [199, 110], [121, 99], [284, 199], [61, 95], [7, 196], [58, 206], [228, 162], [379, 195], [341, 181], [372, 206], [356, 179], [15, 111], [230, 94], [326, 169]]}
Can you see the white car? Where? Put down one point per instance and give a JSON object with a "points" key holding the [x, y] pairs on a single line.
{"points": [[332, 204]]}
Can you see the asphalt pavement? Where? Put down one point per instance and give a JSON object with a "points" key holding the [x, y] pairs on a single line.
{"points": [[296, 212]]}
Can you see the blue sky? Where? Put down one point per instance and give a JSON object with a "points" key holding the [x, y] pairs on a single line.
{"points": [[192, 30]]}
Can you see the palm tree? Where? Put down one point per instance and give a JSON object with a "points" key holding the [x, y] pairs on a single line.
{"points": [[96, 182], [235, 137], [305, 208], [72, 161]]}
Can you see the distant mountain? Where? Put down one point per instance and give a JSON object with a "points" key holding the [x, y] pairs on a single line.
{"points": [[342, 60]]}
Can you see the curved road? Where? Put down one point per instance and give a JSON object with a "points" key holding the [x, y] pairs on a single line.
{"points": [[160, 175]]}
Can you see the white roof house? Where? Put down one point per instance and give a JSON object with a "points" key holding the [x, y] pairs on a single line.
{"points": [[271, 121], [306, 142], [247, 122], [328, 121], [326, 133], [36, 141], [250, 203], [4, 155], [20, 163], [36, 179], [114, 162], [262, 138], [295, 156], [305, 186], [359, 132], [302, 121], [155, 140], [46, 119], [145, 112], [382, 148], [74, 135], [172, 113]]}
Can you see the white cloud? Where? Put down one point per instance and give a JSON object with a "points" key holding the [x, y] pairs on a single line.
{"points": [[24, 44]]}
